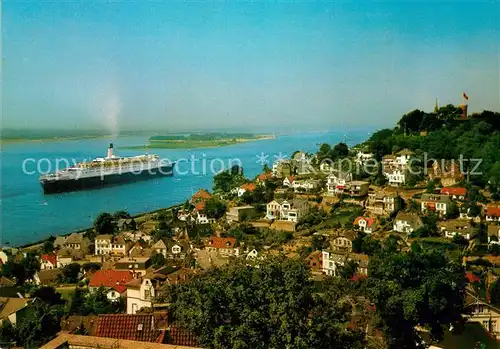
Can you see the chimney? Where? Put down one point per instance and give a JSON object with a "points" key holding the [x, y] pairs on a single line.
{"points": [[110, 151]]}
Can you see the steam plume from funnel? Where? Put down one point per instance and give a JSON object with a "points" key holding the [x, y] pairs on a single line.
{"points": [[111, 110]]}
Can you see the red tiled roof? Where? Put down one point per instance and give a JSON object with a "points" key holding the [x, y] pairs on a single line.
{"points": [[201, 194], [493, 211], [52, 258], [291, 178], [111, 278], [138, 327], [369, 221], [264, 176], [217, 242], [248, 186], [471, 277], [454, 191], [178, 336], [200, 207]]}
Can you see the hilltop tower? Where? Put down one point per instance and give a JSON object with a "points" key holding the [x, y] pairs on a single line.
{"points": [[436, 106]]}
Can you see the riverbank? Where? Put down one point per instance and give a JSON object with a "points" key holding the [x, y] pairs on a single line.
{"points": [[195, 144], [39, 244]]}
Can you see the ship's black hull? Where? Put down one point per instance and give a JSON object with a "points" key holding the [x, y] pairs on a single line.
{"points": [[97, 182]]}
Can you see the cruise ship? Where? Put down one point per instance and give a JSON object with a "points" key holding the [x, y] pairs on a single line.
{"points": [[102, 172]]}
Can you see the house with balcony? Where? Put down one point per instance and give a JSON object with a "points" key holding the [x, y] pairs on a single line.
{"points": [[333, 260], [337, 182], [343, 240], [137, 265], [383, 203], [396, 177], [403, 158], [437, 203], [288, 210], [456, 227], [448, 172], [357, 188], [364, 156], [481, 312], [407, 223], [225, 247], [454, 193], [305, 185], [111, 245]]}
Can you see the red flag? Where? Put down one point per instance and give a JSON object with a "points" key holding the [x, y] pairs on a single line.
{"points": [[465, 96]]}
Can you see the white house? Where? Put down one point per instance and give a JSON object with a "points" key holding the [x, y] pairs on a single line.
{"points": [[252, 255], [48, 261], [103, 244], [108, 244], [492, 214], [114, 281], [223, 246], [396, 177], [4, 257], [362, 157], [407, 223], [291, 211], [336, 182], [366, 225], [331, 261], [382, 203], [140, 294], [288, 181], [305, 185], [452, 228], [403, 157], [437, 203]]}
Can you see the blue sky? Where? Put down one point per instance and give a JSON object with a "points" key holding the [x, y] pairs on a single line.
{"points": [[243, 65]]}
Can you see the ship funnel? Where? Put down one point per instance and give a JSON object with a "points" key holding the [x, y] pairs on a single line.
{"points": [[110, 150]]}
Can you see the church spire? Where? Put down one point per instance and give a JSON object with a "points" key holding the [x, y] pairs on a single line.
{"points": [[436, 107]]}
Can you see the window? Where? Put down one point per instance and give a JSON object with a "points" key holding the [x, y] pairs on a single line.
{"points": [[147, 294]]}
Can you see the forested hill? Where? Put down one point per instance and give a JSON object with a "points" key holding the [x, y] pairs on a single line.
{"points": [[443, 135]]}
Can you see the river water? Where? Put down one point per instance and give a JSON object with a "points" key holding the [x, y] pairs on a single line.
{"points": [[27, 215]]}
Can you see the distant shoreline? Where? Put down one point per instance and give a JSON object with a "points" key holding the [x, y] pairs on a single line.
{"points": [[194, 144], [50, 139]]}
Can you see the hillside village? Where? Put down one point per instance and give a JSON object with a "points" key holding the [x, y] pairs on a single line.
{"points": [[333, 212]]}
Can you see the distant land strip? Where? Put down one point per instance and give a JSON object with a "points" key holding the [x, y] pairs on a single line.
{"points": [[211, 140]]}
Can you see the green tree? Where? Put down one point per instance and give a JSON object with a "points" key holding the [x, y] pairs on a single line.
{"points": [[105, 224], [40, 326], [453, 211], [415, 288], [70, 273], [48, 247], [319, 242], [349, 269], [91, 267], [48, 295], [215, 208], [274, 306], [158, 260]]}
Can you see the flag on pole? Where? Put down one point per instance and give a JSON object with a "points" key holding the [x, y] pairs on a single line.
{"points": [[465, 96]]}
